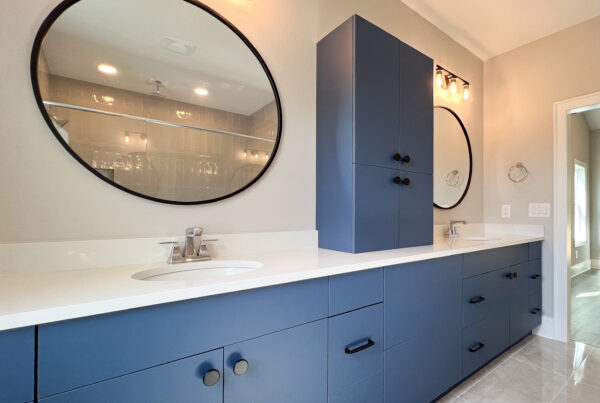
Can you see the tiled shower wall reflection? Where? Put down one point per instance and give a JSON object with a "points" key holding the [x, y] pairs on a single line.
{"points": [[157, 160]]}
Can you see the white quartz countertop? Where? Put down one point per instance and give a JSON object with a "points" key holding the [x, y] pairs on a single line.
{"points": [[37, 298]]}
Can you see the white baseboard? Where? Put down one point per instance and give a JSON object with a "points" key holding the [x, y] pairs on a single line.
{"points": [[547, 329], [581, 267]]}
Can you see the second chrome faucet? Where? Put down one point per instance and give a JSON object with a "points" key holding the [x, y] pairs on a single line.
{"points": [[191, 252]]}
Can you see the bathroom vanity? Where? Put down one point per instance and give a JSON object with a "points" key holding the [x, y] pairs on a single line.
{"points": [[399, 325]]}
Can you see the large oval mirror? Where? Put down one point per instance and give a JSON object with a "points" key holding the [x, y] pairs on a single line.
{"points": [[164, 99], [453, 161]]}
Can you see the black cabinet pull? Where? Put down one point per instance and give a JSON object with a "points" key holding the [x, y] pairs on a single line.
{"points": [[475, 348], [369, 343], [400, 158], [398, 180], [211, 377], [535, 276], [535, 311], [240, 367], [512, 275], [476, 300]]}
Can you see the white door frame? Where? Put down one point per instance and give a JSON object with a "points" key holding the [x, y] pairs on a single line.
{"points": [[562, 281]]}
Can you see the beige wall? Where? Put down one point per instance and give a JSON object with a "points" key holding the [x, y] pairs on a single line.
{"points": [[49, 196], [579, 149], [520, 89]]}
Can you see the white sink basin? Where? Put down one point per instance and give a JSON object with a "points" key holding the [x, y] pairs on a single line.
{"points": [[198, 271], [479, 238]]}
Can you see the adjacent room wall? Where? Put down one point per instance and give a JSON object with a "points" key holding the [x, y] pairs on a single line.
{"points": [[48, 196], [520, 89], [594, 171], [579, 149]]}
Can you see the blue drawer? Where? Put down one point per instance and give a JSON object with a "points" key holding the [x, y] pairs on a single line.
{"points": [[484, 296], [83, 351], [356, 356], [483, 341], [421, 369], [420, 296], [535, 310], [534, 273], [535, 250], [287, 366], [176, 382], [17, 349], [489, 260], [355, 290]]}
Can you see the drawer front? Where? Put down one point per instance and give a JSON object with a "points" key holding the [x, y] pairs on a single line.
{"points": [[535, 276], [483, 341], [535, 310], [287, 366], [489, 260], [419, 296], [180, 381], [484, 296], [535, 250], [355, 290], [356, 356], [17, 349], [424, 367], [83, 351]]}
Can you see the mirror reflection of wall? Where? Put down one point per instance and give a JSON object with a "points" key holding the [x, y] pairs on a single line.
{"points": [[181, 112], [452, 159]]}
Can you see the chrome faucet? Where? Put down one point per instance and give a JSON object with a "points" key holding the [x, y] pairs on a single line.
{"points": [[452, 230], [190, 252]]}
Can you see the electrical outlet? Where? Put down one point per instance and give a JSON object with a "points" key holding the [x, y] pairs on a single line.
{"points": [[506, 211], [540, 210]]}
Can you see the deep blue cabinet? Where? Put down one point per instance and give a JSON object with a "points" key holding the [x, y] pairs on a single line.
{"points": [[374, 141], [17, 351]]}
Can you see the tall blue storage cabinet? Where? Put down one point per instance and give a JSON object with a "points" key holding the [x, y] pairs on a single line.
{"points": [[374, 141]]}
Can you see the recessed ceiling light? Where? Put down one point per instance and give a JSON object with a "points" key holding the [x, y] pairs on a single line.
{"points": [[107, 69], [201, 91]]}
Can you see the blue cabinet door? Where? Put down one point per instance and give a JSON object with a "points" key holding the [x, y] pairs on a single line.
{"points": [[416, 108], [17, 350], [287, 366], [415, 215], [195, 379], [520, 317], [377, 92], [376, 208]]}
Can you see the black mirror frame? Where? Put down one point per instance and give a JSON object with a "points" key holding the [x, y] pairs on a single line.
{"points": [[37, 45], [470, 159]]}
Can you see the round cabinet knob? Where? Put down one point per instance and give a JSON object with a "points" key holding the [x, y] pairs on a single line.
{"points": [[397, 157], [400, 158], [398, 180], [240, 367], [211, 377], [515, 275]]}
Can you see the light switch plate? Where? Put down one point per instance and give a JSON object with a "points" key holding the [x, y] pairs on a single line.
{"points": [[506, 211], [540, 210]]}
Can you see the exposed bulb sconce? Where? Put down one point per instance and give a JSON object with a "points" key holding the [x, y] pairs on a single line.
{"points": [[445, 79], [127, 138]]}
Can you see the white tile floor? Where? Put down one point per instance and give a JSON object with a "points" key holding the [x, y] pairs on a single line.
{"points": [[535, 370]]}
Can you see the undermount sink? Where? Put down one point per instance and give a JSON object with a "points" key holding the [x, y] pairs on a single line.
{"points": [[198, 271], [479, 238]]}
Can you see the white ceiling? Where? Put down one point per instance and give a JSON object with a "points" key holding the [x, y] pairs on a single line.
{"points": [[127, 35], [488, 28], [592, 117]]}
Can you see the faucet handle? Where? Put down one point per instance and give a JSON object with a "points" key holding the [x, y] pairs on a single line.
{"points": [[175, 250], [193, 232]]}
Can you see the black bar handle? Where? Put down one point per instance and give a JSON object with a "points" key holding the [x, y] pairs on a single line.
{"points": [[535, 276], [475, 348], [535, 311], [476, 300], [369, 343]]}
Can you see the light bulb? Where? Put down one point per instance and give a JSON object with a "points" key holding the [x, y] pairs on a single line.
{"points": [[439, 77], [201, 91], [126, 138], [453, 87], [255, 154], [266, 156], [107, 69], [245, 154], [466, 92]]}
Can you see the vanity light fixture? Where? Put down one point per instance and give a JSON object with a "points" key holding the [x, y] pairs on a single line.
{"points": [[446, 79], [201, 91], [107, 69], [183, 114]]}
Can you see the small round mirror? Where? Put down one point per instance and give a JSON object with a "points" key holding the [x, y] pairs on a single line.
{"points": [[453, 161], [164, 99]]}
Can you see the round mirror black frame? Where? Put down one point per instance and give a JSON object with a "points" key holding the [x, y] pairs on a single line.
{"points": [[37, 45], [470, 158]]}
